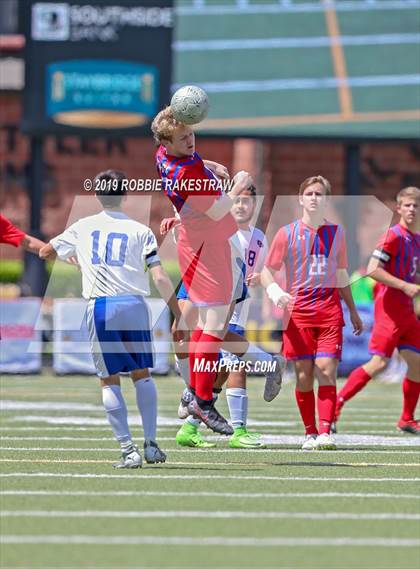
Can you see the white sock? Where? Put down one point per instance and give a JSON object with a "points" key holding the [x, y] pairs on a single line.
{"points": [[116, 412], [146, 396], [190, 419], [237, 400], [184, 369], [255, 354]]}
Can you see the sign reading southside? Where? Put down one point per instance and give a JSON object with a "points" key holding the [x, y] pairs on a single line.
{"points": [[97, 68]]}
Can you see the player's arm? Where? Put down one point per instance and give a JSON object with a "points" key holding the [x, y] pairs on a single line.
{"points": [[223, 204], [218, 169], [274, 262], [168, 223], [63, 246], [32, 244], [343, 283], [376, 270], [47, 252]]}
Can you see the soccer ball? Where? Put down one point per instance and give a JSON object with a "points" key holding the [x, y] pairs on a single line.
{"points": [[190, 104]]}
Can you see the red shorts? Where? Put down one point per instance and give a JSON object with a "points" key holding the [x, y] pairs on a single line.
{"points": [[211, 273], [388, 335], [311, 343]]}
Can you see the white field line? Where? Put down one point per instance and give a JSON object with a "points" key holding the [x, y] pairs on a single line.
{"points": [[252, 86], [135, 477], [235, 495], [32, 460], [166, 439], [290, 43], [208, 541], [237, 514], [171, 439], [290, 7], [173, 450]]}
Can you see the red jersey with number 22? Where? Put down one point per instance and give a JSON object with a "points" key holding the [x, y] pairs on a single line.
{"points": [[311, 258]]}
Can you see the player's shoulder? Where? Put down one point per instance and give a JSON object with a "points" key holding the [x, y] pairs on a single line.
{"points": [[258, 236]]}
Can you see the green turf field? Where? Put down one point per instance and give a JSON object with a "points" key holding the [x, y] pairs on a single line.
{"points": [[64, 506], [303, 67]]}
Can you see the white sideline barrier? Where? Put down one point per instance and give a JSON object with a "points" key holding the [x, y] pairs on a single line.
{"points": [[18, 320], [71, 341]]}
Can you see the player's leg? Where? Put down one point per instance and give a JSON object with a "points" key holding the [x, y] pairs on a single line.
{"points": [[358, 379], [305, 399], [326, 373], [237, 399], [411, 392], [116, 412], [382, 343], [213, 323], [109, 356], [146, 398], [190, 316], [238, 345]]}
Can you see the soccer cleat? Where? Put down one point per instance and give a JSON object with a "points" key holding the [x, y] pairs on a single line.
{"points": [[189, 436], [130, 458], [186, 398], [152, 453], [273, 379], [210, 417], [310, 442], [242, 439], [412, 427], [325, 442]]}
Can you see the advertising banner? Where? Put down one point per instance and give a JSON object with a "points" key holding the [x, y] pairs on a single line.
{"points": [[103, 67], [21, 346]]}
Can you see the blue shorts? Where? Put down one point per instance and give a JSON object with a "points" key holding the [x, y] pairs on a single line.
{"points": [[120, 334], [182, 293]]}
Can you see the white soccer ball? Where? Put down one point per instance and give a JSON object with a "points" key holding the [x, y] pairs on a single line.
{"points": [[190, 104]]}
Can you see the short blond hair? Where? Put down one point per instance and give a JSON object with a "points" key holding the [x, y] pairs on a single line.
{"points": [[409, 192], [164, 125], [315, 180]]}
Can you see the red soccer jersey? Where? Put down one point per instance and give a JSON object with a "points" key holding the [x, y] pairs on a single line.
{"points": [[399, 251], [9, 233], [311, 258], [192, 189]]}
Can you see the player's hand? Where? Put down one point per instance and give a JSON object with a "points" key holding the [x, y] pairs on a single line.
{"points": [[167, 224], [73, 261], [356, 323], [242, 180], [284, 300], [253, 279], [220, 171], [411, 290]]}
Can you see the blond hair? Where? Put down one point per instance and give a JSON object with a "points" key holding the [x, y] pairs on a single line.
{"points": [[315, 180], [409, 192], [164, 125]]}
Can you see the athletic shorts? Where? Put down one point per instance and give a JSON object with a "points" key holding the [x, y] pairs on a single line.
{"points": [[388, 335], [182, 294], [312, 343], [120, 334], [213, 274]]}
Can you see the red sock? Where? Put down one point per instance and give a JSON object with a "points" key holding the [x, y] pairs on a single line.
{"points": [[327, 398], [355, 383], [306, 403], [207, 353], [195, 337], [411, 392]]}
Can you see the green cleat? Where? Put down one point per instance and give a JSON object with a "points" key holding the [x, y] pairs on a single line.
{"points": [[189, 436], [242, 439]]}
